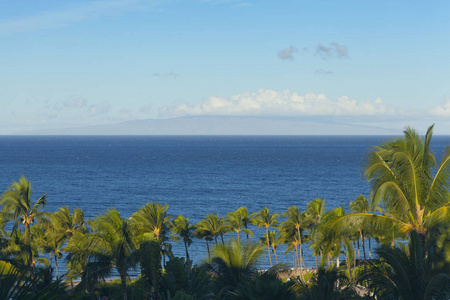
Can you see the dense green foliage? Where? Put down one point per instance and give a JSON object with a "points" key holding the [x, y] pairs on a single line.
{"points": [[408, 205]]}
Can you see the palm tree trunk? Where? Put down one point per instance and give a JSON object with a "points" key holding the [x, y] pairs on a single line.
{"points": [[293, 258], [185, 247], [268, 245], [123, 280], [215, 238], [300, 245], [275, 252], [221, 236], [363, 246], [56, 266], [359, 253], [317, 265], [370, 252], [207, 247]]}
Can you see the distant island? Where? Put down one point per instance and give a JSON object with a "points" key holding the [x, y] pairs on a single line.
{"points": [[223, 125]]}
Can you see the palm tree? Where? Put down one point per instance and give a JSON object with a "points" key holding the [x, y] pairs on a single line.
{"points": [[203, 231], [16, 204], [266, 286], [401, 172], [185, 230], [274, 240], [400, 273], [234, 263], [234, 221], [289, 237], [213, 224], [68, 223], [327, 284], [153, 218], [246, 219], [298, 221], [331, 244], [315, 210], [265, 219], [20, 249], [113, 243]]}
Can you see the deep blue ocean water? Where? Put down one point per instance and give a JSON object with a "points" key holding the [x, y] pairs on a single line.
{"points": [[195, 175]]}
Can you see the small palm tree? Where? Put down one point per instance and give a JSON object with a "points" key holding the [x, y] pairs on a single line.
{"points": [[265, 286], [246, 219], [233, 263], [328, 284], [184, 230], [265, 219], [203, 231], [214, 225], [69, 223], [234, 221], [315, 210], [152, 217]]}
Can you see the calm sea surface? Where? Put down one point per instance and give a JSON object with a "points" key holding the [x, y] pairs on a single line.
{"points": [[195, 175]]}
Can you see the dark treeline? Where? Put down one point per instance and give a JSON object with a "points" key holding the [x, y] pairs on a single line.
{"points": [[407, 212]]}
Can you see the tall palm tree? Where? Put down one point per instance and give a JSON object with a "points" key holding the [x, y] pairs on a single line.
{"points": [[184, 230], [265, 219], [246, 219], [298, 221], [274, 240], [288, 236], [314, 212], [16, 204], [113, 242], [401, 173], [234, 221], [153, 218], [331, 244]]}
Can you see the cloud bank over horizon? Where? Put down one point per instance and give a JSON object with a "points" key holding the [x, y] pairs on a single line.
{"points": [[267, 102], [263, 103]]}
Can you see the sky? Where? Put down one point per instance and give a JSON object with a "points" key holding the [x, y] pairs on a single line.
{"points": [[67, 64]]}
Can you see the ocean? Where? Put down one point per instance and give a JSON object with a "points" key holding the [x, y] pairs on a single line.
{"points": [[195, 175]]}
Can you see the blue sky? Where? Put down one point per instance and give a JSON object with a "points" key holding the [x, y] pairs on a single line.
{"points": [[369, 63]]}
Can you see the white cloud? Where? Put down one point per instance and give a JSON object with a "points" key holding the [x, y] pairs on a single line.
{"points": [[442, 110], [282, 103]]}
